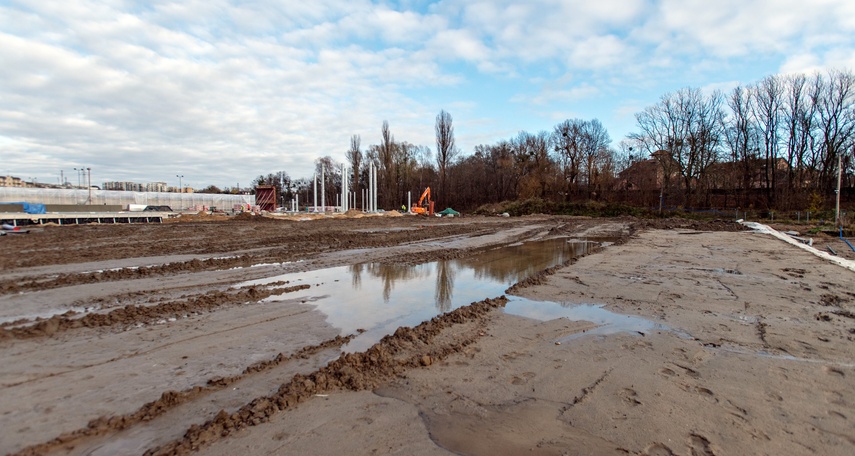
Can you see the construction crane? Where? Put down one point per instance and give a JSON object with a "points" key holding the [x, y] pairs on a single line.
{"points": [[425, 205]]}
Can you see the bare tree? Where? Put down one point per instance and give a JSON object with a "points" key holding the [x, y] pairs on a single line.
{"points": [[687, 127], [387, 173], [446, 151], [566, 138], [354, 156], [741, 137], [767, 100], [836, 124], [595, 149], [799, 114], [537, 166]]}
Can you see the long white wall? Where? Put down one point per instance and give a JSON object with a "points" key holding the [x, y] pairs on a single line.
{"points": [[177, 201]]}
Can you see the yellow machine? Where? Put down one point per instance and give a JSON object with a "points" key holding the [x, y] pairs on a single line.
{"points": [[425, 205]]}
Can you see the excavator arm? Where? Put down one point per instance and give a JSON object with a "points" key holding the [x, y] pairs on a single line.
{"points": [[425, 205], [425, 194]]}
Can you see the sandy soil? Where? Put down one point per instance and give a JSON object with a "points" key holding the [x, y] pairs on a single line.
{"points": [[137, 340]]}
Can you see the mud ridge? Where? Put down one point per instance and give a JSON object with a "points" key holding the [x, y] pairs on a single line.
{"points": [[171, 399], [131, 315], [64, 280], [406, 349]]}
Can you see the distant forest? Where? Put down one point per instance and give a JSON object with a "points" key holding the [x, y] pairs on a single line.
{"points": [[772, 145]]}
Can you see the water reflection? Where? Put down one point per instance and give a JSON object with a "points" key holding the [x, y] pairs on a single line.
{"points": [[382, 297], [608, 322], [444, 286], [501, 267]]}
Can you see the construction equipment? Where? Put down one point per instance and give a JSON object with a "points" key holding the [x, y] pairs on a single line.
{"points": [[425, 205]]}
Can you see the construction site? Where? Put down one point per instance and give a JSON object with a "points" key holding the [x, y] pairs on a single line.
{"points": [[398, 332]]}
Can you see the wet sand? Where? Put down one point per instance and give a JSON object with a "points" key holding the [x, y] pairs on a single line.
{"points": [[760, 362], [750, 351]]}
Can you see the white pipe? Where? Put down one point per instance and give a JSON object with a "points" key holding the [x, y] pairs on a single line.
{"points": [[375, 190], [316, 191], [344, 194], [765, 229], [323, 191], [297, 202], [371, 188], [409, 201]]}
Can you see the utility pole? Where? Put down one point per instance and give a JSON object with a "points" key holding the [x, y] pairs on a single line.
{"points": [[89, 172], [839, 175]]}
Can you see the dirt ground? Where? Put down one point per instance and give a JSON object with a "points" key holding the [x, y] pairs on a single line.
{"points": [[146, 339]]}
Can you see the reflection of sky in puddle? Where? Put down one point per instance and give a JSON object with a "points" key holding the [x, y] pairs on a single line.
{"points": [[609, 322], [379, 298]]}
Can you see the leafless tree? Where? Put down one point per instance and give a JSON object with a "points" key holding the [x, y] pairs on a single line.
{"points": [[836, 117], [741, 137], [354, 156], [767, 102], [799, 114], [566, 138], [595, 150], [446, 150], [387, 174], [688, 127]]}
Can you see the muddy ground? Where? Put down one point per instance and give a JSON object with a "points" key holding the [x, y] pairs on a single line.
{"points": [[145, 339]]}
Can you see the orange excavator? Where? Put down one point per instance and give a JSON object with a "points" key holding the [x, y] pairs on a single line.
{"points": [[425, 205]]}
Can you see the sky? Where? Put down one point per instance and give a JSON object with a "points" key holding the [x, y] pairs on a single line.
{"points": [[221, 91]]}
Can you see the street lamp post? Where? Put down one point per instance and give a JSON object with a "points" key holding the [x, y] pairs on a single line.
{"points": [[180, 186], [78, 170], [89, 173]]}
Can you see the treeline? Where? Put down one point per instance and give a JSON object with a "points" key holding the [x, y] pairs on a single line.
{"points": [[774, 144]]}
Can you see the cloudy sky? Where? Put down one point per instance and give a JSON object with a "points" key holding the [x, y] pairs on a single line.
{"points": [[221, 91]]}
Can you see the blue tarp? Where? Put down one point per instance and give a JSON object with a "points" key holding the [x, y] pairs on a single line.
{"points": [[32, 208]]}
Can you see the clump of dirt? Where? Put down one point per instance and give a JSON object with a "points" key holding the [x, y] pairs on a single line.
{"points": [[407, 348], [132, 315]]}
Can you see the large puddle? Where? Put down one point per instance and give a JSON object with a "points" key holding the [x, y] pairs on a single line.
{"points": [[378, 298]]}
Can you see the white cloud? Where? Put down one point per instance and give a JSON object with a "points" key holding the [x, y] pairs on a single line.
{"points": [[222, 88]]}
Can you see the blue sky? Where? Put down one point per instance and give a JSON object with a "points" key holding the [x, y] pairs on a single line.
{"points": [[221, 91]]}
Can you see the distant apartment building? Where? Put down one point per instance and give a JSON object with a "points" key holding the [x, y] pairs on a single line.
{"points": [[123, 186], [156, 187], [10, 181]]}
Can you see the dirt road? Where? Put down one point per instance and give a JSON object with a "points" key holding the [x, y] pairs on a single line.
{"points": [[164, 339]]}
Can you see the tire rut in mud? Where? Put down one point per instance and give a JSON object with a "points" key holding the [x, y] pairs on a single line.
{"points": [[47, 282], [144, 314], [407, 348], [170, 399]]}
